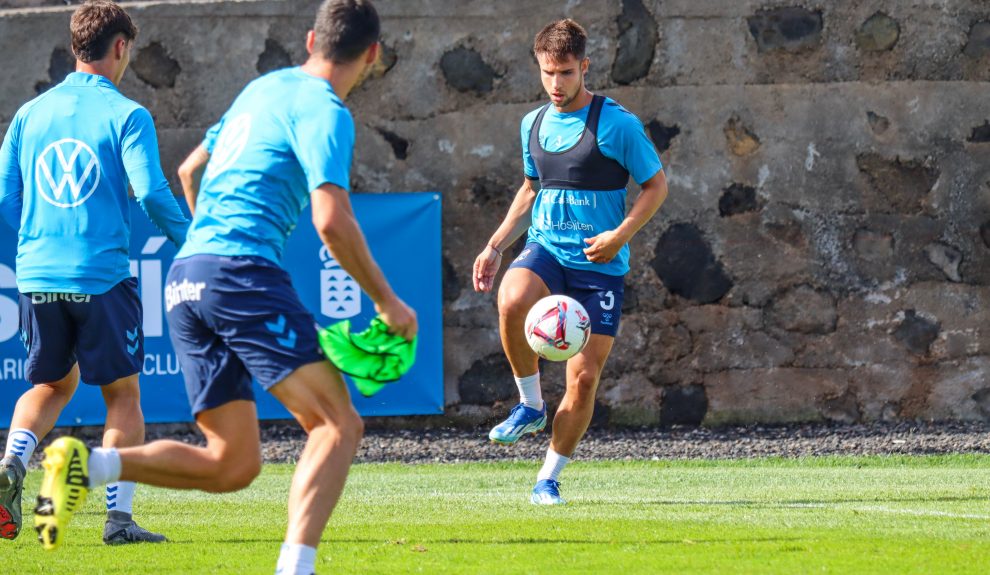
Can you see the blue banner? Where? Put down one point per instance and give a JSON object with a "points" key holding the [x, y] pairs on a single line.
{"points": [[403, 232]]}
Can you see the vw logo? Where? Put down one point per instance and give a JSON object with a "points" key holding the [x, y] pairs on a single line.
{"points": [[70, 164], [230, 144]]}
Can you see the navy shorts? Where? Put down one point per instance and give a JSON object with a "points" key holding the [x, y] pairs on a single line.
{"points": [[232, 319], [102, 332], [600, 294]]}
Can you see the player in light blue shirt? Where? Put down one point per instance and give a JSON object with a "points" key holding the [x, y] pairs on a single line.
{"points": [[65, 165], [563, 218], [233, 314], [582, 148], [239, 213]]}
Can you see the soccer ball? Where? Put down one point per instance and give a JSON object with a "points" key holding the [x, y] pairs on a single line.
{"points": [[557, 327]]}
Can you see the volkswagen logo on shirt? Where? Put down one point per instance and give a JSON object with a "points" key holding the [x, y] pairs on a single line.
{"points": [[230, 144], [67, 173]]}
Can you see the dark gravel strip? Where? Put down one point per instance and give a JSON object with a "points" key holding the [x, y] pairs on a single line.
{"points": [[282, 442], [693, 443]]}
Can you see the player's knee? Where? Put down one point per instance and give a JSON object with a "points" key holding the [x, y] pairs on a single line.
{"points": [[512, 304], [348, 426], [123, 393], [584, 385], [353, 426], [235, 474]]}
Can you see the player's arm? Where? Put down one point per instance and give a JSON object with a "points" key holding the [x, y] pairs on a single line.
{"points": [[144, 170], [603, 247], [190, 174], [334, 221], [623, 138], [11, 185], [516, 221]]}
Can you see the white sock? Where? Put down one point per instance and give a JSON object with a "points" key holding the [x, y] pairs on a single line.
{"points": [[530, 394], [120, 496], [552, 465], [21, 443], [296, 559], [104, 466]]}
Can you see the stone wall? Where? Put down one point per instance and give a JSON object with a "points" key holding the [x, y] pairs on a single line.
{"points": [[824, 251]]}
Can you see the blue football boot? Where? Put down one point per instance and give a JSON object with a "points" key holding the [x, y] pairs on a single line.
{"points": [[521, 420], [547, 492]]}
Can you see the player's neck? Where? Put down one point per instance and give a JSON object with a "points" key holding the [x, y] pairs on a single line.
{"points": [[97, 68], [583, 98], [342, 77]]}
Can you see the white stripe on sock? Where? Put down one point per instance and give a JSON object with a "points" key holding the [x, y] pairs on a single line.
{"points": [[120, 496], [21, 444]]}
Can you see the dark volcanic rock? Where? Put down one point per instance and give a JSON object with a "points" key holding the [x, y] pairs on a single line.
{"points": [[60, 64], [466, 71], [487, 381], [916, 333], [737, 199], [637, 42], [400, 145], [978, 45], [662, 135], [684, 262], [980, 134], [790, 28], [155, 67], [451, 283], [275, 57], [683, 405]]}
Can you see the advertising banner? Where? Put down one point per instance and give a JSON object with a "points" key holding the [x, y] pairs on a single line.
{"points": [[403, 232]]}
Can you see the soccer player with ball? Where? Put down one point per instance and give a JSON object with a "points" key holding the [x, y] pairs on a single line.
{"points": [[582, 148]]}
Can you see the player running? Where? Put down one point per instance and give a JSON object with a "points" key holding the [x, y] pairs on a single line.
{"points": [[233, 314], [582, 148], [65, 165]]}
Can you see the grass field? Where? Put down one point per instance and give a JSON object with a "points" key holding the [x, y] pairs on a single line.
{"points": [[816, 515]]}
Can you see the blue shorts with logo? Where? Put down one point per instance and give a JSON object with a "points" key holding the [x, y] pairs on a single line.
{"points": [[102, 332], [232, 319], [600, 294]]}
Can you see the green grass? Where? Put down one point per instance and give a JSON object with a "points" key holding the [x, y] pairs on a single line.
{"points": [[815, 515]]}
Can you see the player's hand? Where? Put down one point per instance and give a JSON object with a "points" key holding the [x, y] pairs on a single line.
{"points": [[603, 247], [485, 267], [399, 317]]}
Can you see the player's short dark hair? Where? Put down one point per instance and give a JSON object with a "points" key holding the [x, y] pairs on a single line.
{"points": [[93, 27], [561, 39], [345, 29]]}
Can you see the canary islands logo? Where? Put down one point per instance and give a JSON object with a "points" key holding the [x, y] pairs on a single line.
{"points": [[67, 173], [340, 295], [230, 145]]}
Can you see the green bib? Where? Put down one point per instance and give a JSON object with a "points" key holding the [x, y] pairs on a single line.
{"points": [[372, 358]]}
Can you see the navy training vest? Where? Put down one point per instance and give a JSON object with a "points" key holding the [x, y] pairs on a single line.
{"points": [[582, 166]]}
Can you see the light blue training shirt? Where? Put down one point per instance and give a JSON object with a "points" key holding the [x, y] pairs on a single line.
{"points": [[285, 135], [65, 164], [563, 219]]}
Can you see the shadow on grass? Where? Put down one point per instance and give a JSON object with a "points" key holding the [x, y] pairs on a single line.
{"points": [[481, 541], [785, 502]]}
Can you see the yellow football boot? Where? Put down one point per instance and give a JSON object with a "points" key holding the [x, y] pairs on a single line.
{"points": [[63, 490]]}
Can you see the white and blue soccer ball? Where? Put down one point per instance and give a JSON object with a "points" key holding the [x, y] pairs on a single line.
{"points": [[557, 327]]}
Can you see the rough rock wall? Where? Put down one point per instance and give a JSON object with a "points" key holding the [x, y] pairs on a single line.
{"points": [[824, 252]]}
